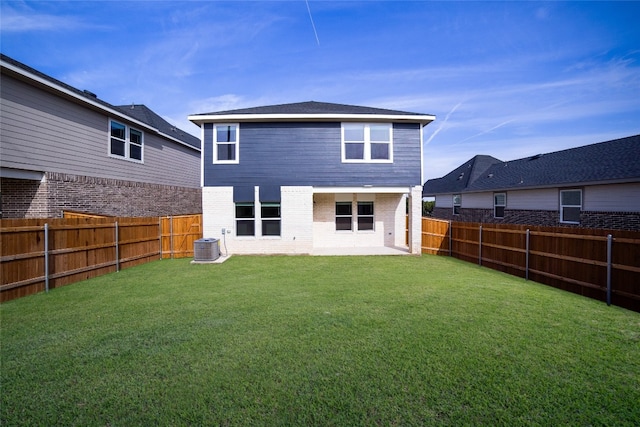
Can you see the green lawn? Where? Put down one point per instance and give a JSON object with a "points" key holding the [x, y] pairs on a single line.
{"points": [[317, 341]]}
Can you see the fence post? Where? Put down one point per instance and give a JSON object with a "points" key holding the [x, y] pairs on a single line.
{"points": [[117, 248], [609, 244], [526, 268], [450, 238], [160, 235], [171, 235], [480, 247], [46, 257]]}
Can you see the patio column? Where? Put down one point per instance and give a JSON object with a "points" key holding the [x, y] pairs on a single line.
{"points": [[415, 220]]}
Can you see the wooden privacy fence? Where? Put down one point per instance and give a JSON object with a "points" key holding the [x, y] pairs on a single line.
{"points": [[41, 254], [599, 264]]}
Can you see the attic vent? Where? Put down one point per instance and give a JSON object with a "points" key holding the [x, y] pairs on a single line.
{"points": [[90, 94], [490, 175], [537, 156], [461, 176]]}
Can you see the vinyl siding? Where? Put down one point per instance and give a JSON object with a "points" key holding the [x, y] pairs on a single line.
{"points": [[310, 154], [444, 201], [542, 199], [612, 198], [43, 132], [477, 200]]}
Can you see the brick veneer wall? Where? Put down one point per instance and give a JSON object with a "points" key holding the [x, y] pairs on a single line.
{"points": [[588, 219], [59, 192]]}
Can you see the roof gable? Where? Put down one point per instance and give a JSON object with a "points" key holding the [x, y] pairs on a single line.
{"points": [[463, 176], [609, 161]]}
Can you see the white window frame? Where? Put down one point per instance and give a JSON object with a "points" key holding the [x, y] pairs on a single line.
{"points": [[350, 216], [236, 143], [268, 219], [458, 204], [367, 143], [497, 205], [372, 216], [245, 219], [562, 206], [127, 142]]}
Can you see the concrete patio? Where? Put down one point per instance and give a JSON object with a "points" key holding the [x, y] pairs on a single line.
{"points": [[360, 251]]}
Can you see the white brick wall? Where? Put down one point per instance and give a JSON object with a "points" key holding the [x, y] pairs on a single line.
{"points": [[307, 221], [415, 220], [296, 222]]}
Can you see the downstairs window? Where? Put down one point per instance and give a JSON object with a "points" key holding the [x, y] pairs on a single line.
{"points": [[245, 219], [570, 206]]}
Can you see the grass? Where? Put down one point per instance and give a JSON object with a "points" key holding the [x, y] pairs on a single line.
{"points": [[317, 341]]}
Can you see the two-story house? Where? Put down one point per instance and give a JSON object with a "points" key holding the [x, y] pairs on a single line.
{"points": [[62, 148], [310, 177], [594, 186]]}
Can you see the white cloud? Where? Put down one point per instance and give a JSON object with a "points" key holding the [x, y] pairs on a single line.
{"points": [[13, 20]]}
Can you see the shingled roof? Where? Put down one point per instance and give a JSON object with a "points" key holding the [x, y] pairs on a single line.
{"points": [[146, 115], [313, 107], [142, 113], [312, 110], [612, 161]]}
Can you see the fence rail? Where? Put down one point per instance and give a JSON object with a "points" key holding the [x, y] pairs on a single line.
{"points": [[600, 264], [40, 254]]}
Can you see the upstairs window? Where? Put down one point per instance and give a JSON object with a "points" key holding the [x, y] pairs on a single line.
{"points": [[499, 204], [457, 202], [367, 142], [125, 142], [570, 206], [225, 143]]}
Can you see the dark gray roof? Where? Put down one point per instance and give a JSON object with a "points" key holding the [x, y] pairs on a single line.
{"points": [[143, 114], [312, 107], [146, 115], [611, 161]]}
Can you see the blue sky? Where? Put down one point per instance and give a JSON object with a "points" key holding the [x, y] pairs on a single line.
{"points": [[507, 79]]}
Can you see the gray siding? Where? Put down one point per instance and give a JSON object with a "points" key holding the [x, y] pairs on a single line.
{"points": [[44, 132], [612, 198], [310, 154]]}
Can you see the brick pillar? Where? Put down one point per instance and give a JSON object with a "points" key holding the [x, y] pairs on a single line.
{"points": [[415, 220]]}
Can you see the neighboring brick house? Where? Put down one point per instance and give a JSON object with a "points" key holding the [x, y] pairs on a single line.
{"points": [[309, 176], [65, 149], [595, 186]]}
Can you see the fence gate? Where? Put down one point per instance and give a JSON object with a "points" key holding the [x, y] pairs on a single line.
{"points": [[178, 233]]}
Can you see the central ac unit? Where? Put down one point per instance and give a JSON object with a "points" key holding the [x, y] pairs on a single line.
{"points": [[206, 249]]}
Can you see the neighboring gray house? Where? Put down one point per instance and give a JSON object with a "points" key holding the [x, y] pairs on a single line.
{"points": [[65, 149], [310, 177], [596, 186]]}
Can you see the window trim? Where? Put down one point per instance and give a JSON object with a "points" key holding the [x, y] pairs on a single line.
{"points": [[350, 216], [245, 219], [458, 205], [215, 144], [270, 219], [127, 142], [496, 205], [372, 216], [367, 143], [562, 206]]}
